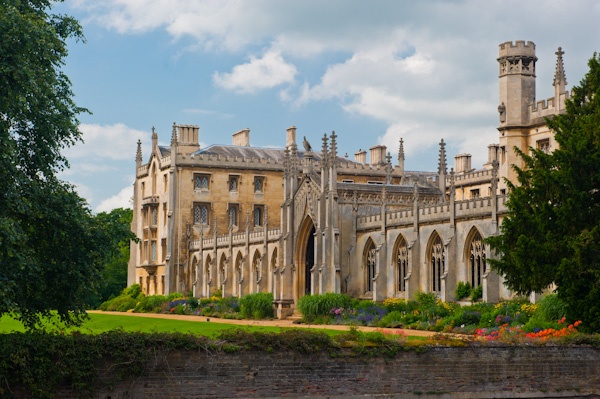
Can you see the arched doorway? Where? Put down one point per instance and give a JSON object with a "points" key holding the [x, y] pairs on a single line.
{"points": [[305, 256]]}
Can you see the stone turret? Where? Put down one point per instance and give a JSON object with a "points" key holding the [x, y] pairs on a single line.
{"points": [[517, 82]]}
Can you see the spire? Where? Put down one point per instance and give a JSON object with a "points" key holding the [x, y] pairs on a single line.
{"points": [[560, 79], [401, 152], [442, 161], [442, 168], [324, 152], [333, 148], [174, 135], [388, 168], [138, 154], [401, 158]]}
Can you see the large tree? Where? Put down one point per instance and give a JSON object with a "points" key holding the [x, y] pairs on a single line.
{"points": [[51, 247], [552, 232]]}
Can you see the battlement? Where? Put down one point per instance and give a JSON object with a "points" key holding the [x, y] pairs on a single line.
{"points": [[476, 176], [547, 107], [436, 213], [517, 48]]}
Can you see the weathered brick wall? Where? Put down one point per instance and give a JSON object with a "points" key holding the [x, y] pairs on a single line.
{"points": [[472, 372]]}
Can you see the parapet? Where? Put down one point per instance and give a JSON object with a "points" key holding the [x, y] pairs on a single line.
{"points": [[517, 48]]}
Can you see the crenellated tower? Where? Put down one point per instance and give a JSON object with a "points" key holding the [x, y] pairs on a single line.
{"points": [[517, 82]]}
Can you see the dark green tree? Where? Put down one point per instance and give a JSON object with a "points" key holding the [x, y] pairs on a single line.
{"points": [[552, 231], [51, 247], [118, 223]]}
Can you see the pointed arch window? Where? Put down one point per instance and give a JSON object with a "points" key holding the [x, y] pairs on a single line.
{"points": [[401, 258], [477, 260], [437, 264], [370, 265]]}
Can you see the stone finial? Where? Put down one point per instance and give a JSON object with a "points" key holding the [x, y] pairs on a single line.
{"points": [[138, 153], [324, 151], [174, 135], [333, 147], [401, 151], [559, 75], [442, 167], [154, 139]]}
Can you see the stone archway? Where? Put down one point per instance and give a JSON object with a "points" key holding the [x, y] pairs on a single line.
{"points": [[305, 258]]}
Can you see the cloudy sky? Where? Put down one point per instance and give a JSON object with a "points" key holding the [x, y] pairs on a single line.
{"points": [[373, 71]]}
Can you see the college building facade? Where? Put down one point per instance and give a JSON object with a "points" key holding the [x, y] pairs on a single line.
{"points": [[298, 220]]}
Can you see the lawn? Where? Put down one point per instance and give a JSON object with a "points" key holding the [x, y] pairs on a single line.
{"points": [[99, 323]]}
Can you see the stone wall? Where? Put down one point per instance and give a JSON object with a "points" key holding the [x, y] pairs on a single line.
{"points": [[471, 372]]}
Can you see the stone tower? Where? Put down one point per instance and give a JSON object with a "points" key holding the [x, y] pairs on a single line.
{"points": [[517, 83], [517, 93]]}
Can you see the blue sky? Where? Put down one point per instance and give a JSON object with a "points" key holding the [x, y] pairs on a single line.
{"points": [[372, 71]]}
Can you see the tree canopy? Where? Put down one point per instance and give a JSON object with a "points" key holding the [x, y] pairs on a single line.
{"points": [[51, 247], [552, 232]]}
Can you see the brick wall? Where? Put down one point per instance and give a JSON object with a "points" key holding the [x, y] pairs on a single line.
{"points": [[472, 372]]}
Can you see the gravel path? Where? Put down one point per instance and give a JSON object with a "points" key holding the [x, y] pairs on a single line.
{"points": [[270, 323]]}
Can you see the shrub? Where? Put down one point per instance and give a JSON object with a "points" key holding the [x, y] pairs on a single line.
{"points": [[121, 304], [477, 293], [312, 306], [392, 320], [425, 298], [396, 304], [257, 306], [150, 304], [463, 290], [133, 291], [548, 312]]}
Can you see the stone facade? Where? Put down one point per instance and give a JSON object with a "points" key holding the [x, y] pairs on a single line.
{"points": [[240, 219]]}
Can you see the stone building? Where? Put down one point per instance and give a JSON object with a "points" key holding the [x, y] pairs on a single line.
{"points": [[240, 219]]}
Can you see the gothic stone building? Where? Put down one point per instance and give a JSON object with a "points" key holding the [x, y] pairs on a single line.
{"points": [[240, 219]]}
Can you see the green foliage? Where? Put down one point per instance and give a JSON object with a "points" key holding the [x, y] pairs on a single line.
{"points": [[257, 306], [425, 298], [150, 304], [550, 310], [477, 293], [312, 306], [114, 275], [392, 319], [52, 250], [552, 232], [463, 290]]}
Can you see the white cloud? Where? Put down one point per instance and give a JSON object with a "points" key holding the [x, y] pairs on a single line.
{"points": [[108, 142], [120, 200], [259, 73]]}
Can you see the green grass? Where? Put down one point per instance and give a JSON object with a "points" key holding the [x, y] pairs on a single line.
{"points": [[99, 323]]}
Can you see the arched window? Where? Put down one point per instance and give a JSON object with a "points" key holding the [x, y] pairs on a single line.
{"points": [[273, 273], [238, 275], [370, 257], [222, 273], [437, 264], [477, 260], [401, 259], [257, 271], [207, 277]]}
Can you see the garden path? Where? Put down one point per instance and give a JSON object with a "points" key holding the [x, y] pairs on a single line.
{"points": [[270, 323]]}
